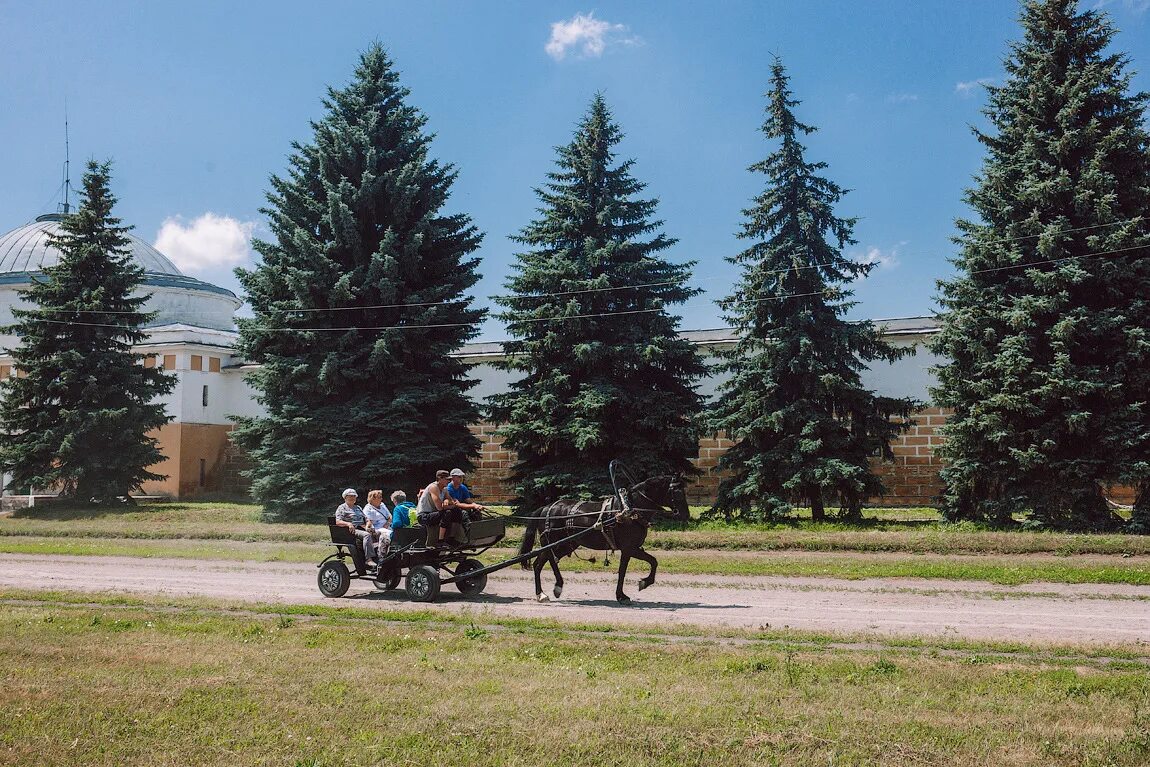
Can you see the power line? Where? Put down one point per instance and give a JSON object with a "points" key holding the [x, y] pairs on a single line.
{"points": [[426, 304], [1058, 260], [558, 318]]}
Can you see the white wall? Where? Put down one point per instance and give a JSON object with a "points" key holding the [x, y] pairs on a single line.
{"points": [[908, 377]]}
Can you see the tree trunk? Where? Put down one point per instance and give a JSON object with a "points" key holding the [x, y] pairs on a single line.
{"points": [[1140, 519], [818, 512]]}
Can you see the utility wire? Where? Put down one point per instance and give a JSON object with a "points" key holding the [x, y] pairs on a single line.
{"points": [[1058, 260], [559, 318], [668, 282]]}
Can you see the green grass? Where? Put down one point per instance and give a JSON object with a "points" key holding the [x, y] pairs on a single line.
{"points": [[883, 548], [994, 569], [140, 684], [241, 522]]}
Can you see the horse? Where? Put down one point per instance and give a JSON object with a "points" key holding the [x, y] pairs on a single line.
{"points": [[624, 528]]}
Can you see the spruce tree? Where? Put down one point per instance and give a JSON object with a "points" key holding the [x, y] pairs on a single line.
{"points": [[804, 426], [1047, 324], [358, 302], [77, 420], [604, 373]]}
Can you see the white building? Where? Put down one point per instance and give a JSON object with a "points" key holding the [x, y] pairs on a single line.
{"points": [[192, 336]]}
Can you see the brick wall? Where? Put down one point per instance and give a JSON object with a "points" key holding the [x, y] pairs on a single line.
{"points": [[489, 479], [911, 479]]}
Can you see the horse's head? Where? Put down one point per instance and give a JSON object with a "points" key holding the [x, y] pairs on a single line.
{"points": [[667, 491]]}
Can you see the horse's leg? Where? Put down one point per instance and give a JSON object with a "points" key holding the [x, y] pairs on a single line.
{"points": [[538, 567], [624, 558], [558, 575], [650, 560]]}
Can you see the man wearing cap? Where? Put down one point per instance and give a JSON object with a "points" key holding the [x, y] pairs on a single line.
{"points": [[351, 516], [436, 509], [461, 494]]}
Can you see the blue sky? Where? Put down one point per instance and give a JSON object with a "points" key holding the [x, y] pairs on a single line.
{"points": [[197, 105]]}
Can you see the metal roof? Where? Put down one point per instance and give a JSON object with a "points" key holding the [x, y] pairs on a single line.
{"points": [[26, 249]]}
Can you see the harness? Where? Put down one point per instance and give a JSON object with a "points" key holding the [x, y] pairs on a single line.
{"points": [[614, 509]]}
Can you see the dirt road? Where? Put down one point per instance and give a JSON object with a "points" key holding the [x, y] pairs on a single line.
{"points": [[1057, 613]]}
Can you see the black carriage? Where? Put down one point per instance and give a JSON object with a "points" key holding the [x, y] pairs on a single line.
{"points": [[415, 556]]}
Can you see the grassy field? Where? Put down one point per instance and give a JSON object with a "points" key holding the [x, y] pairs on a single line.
{"points": [[886, 547], [126, 684]]}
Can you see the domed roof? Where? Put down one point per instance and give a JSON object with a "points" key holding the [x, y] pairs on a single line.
{"points": [[25, 250]]}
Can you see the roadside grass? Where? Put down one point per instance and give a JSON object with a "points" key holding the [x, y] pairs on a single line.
{"points": [[1122, 655], [91, 684], [204, 521], [241, 522], [1004, 570], [891, 547]]}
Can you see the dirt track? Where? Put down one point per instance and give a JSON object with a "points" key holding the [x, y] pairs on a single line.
{"points": [[1056, 613]]}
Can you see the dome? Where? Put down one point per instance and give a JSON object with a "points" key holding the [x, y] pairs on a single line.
{"points": [[26, 249], [175, 297]]}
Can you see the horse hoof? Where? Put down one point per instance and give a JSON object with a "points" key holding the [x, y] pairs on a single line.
{"points": [[543, 597], [643, 585], [623, 599], [558, 591]]}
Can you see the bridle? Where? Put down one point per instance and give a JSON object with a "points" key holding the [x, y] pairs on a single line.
{"points": [[624, 485]]}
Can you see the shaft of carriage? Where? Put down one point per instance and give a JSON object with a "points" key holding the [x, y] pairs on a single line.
{"points": [[524, 557]]}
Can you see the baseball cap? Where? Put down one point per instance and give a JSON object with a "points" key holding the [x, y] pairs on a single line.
{"points": [[457, 472]]}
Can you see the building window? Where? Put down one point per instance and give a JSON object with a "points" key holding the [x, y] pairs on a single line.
{"points": [[203, 472], [5, 371], [197, 362], [149, 361], [205, 396], [169, 362], [213, 364]]}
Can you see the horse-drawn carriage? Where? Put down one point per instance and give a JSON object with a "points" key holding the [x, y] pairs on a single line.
{"points": [[618, 522], [414, 552]]}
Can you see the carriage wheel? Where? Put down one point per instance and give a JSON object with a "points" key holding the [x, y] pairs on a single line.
{"points": [[423, 583], [470, 587], [334, 579], [388, 579]]}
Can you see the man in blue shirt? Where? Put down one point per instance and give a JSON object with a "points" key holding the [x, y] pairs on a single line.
{"points": [[461, 494]]}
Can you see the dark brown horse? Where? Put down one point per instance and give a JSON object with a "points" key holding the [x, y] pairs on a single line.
{"points": [[623, 529]]}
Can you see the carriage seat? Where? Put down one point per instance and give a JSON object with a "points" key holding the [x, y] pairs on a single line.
{"points": [[340, 534]]}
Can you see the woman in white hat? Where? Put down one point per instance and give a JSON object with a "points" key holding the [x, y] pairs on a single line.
{"points": [[351, 516]]}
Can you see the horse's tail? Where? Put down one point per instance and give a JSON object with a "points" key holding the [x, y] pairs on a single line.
{"points": [[528, 543]]}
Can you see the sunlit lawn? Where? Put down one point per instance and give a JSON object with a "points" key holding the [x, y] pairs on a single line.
{"points": [[98, 685]]}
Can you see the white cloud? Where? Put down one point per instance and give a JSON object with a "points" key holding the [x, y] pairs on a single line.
{"points": [[901, 98], [587, 34], [967, 89], [882, 259], [207, 242], [1136, 7]]}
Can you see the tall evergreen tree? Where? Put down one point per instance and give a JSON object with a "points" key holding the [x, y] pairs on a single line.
{"points": [[357, 303], [78, 420], [803, 425], [605, 374], [1047, 324]]}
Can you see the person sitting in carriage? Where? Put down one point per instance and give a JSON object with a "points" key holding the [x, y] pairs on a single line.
{"points": [[378, 520], [351, 516], [401, 509], [462, 495], [437, 509]]}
